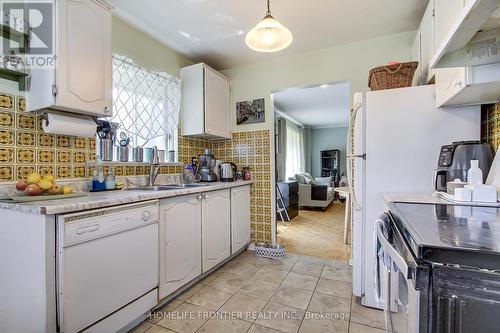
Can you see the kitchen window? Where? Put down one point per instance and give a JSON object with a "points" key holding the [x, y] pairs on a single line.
{"points": [[146, 104]]}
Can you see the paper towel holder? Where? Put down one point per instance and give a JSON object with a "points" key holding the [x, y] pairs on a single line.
{"points": [[44, 115]]}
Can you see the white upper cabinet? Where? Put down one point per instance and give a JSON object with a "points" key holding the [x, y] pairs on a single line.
{"points": [[205, 105], [423, 46], [82, 79], [215, 228], [446, 13], [180, 242], [240, 218]]}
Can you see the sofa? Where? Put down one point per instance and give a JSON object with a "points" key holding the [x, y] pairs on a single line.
{"points": [[317, 192]]}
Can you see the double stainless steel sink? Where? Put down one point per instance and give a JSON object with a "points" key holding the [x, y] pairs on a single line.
{"points": [[168, 187]]}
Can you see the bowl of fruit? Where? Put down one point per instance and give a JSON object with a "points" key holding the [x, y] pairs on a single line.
{"points": [[35, 185]]}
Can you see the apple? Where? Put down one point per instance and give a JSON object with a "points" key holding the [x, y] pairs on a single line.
{"points": [[55, 189], [33, 190], [21, 185]]}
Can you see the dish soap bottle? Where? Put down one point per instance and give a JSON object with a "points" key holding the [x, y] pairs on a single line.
{"points": [[110, 180], [474, 175]]}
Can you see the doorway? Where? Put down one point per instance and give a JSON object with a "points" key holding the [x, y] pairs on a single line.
{"points": [[311, 126]]}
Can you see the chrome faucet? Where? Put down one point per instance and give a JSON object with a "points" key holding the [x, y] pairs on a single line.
{"points": [[154, 167]]}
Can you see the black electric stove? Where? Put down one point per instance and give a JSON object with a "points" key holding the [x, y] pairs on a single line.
{"points": [[452, 234], [453, 252]]}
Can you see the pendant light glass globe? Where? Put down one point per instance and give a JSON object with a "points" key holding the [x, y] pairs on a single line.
{"points": [[268, 35]]}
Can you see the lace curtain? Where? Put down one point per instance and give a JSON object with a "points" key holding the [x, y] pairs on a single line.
{"points": [[295, 150], [145, 103]]}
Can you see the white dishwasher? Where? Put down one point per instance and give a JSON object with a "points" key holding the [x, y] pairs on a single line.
{"points": [[107, 266]]}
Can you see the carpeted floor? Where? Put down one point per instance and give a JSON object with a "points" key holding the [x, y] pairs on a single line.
{"points": [[316, 233]]}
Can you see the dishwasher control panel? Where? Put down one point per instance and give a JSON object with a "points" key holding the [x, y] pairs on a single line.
{"points": [[85, 226]]}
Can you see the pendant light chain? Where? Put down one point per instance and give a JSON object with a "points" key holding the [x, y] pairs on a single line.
{"points": [[268, 8]]}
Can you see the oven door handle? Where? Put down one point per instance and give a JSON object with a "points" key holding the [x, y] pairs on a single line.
{"points": [[396, 258]]}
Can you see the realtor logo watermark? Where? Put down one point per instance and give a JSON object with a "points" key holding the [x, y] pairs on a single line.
{"points": [[36, 20]]}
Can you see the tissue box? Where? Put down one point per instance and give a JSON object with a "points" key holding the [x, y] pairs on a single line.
{"points": [[483, 193]]}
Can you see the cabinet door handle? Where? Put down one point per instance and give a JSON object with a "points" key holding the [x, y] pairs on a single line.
{"points": [[205, 196], [90, 228], [199, 197]]}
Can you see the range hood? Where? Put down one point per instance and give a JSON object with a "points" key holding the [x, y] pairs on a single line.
{"points": [[474, 38]]}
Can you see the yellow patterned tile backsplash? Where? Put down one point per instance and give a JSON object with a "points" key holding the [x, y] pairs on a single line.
{"points": [[25, 148]]}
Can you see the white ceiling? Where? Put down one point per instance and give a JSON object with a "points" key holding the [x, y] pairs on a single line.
{"points": [[213, 31], [316, 106]]}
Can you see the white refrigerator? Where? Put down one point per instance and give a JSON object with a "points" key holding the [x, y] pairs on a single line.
{"points": [[394, 141]]}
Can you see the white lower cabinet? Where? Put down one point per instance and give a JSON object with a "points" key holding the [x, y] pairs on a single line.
{"points": [[180, 242], [240, 218], [215, 228], [195, 234]]}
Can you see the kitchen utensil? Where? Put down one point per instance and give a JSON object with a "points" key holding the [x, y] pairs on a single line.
{"points": [[227, 172], [206, 165], [106, 149], [148, 155], [161, 156], [171, 156], [137, 154], [123, 153]]}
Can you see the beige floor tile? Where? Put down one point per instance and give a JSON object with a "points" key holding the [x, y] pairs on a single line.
{"points": [[269, 274], [337, 263], [206, 281], [307, 269], [187, 318], [358, 328], [259, 289], [261, 329], [243, 307], [312, 260], [243, 269], [367, 316], [284, 265], [335, 306], [159, 329], [142, 327], [301, 281], [297, 298], [250, 258], [161, 312], [218, 325], [335, 273], [228, 282], [281, 317], [334, 288], [190, 292], [210, 298], [321, 323]]}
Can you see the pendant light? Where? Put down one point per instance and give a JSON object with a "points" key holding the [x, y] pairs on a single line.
{"points": [[268, 35]]}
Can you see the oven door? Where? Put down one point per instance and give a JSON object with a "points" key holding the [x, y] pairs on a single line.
{"points": [[397, 287]]}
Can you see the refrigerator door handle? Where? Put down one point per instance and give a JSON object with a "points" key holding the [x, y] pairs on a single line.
{"points": [[350, 154]]}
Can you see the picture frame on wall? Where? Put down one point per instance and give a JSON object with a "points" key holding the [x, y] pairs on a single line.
{"points": [[251, 112]]}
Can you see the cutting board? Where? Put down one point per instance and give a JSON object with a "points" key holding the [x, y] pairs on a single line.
{"points": [[43, 197]]}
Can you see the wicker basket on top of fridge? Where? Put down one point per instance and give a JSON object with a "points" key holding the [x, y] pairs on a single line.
{"points": [[392, 76]]}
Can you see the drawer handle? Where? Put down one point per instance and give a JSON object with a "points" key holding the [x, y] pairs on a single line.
{"points": [[90, 228]]}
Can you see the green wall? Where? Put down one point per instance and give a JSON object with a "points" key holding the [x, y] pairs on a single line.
{"points": [[350, 62], [145, 50], [324, 139]]}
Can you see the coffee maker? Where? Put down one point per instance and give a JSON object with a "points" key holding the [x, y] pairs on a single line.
{"points": [[454, 162], [206, 166]]}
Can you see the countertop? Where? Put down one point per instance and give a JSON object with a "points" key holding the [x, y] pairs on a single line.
{"points": [[111, 198], [429, 198]]}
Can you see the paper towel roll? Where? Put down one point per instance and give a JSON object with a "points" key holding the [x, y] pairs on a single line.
{"points": [[67, 125]]}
